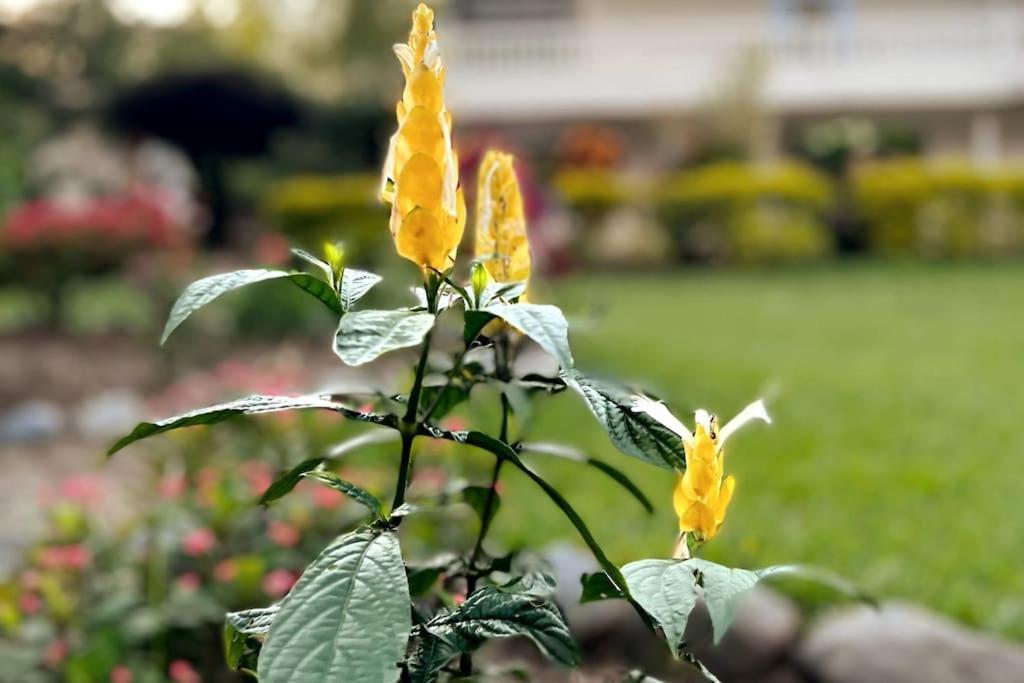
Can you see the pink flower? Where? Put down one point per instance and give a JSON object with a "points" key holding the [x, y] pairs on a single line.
{"points": [[189, 582], [278, 582], [121, 674], [84, 489], [283, 534], [181, 671], [324, 497], [77, 556], [73, 557], [30, 603], [55, 653], [258, 476], [454, 424], [430, 478], [173, 486], [225, 571], [459, 598], [198, 542]]}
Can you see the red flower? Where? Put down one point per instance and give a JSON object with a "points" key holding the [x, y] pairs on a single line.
{"points": [[121, 674], [198, 542], [30, 603], [283, 534], [55, 653], [278, 582], [225, 571], [70, 557], [173, 486], [181, 671], [189, 581]]}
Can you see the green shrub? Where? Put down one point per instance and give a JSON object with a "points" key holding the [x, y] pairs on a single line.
{"points": [[592, 192], [737, 211], [312, 210], [940, 210]]}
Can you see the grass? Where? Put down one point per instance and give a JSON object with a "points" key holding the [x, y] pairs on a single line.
{"points": [[897, 454]]}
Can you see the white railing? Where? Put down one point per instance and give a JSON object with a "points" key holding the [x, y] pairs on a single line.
{"points": [[607, 66]]}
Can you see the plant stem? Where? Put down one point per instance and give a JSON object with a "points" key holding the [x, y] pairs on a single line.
{"points": [[408, 427], [451, 377], [466, 660]]}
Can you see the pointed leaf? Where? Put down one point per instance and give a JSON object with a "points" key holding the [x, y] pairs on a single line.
{"points": [[284, 484], [253, 622], [633, 433], [347, 618], [364, 335], [360, 495], [324, 266], [570, 453], [543, 323], [354, 286], [668, 591], [492, 613], [202, 292], [251, 405], [318, 288], [598, 586], [431, 655]]}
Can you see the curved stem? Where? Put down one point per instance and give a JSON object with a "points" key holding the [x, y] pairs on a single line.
{"points": [[408, 428]]}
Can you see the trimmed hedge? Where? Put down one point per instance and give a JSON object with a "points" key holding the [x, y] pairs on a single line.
{"points": [[732, 211], [947, 210], [312, 210]]}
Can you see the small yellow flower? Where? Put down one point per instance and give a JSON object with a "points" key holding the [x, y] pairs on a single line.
{"points": [[421, 172], [501, 242], [701, 497]]}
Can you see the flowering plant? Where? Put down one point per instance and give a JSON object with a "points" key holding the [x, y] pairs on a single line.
{"points": [[364, 611]]}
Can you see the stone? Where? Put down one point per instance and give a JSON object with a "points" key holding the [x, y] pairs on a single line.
{"points": [[109, 414], [902, 643], [758, 643], [35, 420]]}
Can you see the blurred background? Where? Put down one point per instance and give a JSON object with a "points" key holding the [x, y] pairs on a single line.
{"points": [[816, 201]]}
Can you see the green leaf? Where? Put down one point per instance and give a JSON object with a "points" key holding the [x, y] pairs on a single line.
{"points": [[598, 586], [668, 591], [251, 405], [324, 266], [318, 288], [500, 292], [422, 575], [543, 323], [364, 335], [347, 618], [474, 323], [446, 396], [634, 433], [253, 622], [535, 583], [238, 626], [431, 655], [476, 498], [360, 495], [725, 588], [371, 438], [354, 286], [570, 453], [202, 292], [234, 646], [492, 613], [284, 484]]}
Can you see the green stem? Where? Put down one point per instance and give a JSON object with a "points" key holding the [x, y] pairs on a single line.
{"points": [[501, 366], [451, 377], [408, 426]]}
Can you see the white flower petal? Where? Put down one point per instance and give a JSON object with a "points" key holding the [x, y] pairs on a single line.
{"points": [[755, 411], [662, 415], [703, 418]]}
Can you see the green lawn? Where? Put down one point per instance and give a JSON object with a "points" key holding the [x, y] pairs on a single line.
{"points": [[897, 454]]}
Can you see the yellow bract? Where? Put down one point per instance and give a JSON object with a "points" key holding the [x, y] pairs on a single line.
{"points": [[421, 172], [701, 497], [501, 241]]}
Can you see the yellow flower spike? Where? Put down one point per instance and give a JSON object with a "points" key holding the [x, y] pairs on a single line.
{"points": [[420, 178], [501, 241], [701, 498]]}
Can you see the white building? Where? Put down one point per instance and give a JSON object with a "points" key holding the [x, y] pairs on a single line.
{"points": [[951, 69]]}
